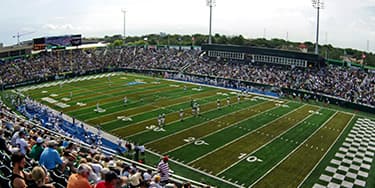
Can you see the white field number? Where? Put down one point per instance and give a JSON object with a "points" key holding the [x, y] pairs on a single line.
{"points": [[155, 128], [196, 141], [250, 159]]}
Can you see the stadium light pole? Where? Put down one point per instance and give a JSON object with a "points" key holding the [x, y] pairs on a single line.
{"points": [[368, 46], [124, 12], [210, 3], [317, 4]]}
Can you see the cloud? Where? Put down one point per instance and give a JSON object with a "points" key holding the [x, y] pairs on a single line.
{"points": [[347, 22], [59, 27]]}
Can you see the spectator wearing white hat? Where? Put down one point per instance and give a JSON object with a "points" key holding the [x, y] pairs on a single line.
{"points": [[37, 149]]}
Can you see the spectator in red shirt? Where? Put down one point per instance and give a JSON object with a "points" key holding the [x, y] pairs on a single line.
{"points": [[111, 179]]}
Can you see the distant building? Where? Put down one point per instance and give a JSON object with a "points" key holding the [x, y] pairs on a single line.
{"points": [[15, 51], [248, 54]]}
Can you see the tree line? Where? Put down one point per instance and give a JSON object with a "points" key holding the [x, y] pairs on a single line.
{"points": [[162, 39]]}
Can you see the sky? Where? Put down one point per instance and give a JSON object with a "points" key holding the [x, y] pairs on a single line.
{"points": [[343, 23]]}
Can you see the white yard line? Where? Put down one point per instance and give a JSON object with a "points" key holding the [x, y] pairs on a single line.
{"points": [[185, 117], [199, 171], [222, 129], [154, 119], [200, 124], [235, 140], [118, 101], [156, 109], [327, 108], [55, 83], [230, 89], [264, 145], [295, 149], [329, 149], [111, 137]]}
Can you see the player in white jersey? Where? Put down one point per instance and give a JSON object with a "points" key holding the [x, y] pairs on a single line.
{"points": [[97, 107], [125, 100], [198, 109], [218, 104], [228, 101], [159, 120], [238, 98], [181, 114]]}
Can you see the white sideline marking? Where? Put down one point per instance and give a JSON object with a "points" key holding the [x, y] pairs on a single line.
{"points": [[264, 145], [330, 147], [185, 117], [235, 140], [242, 109], [197, 170], [295, 149], [55, 83], [233, 125], [133, 115]]}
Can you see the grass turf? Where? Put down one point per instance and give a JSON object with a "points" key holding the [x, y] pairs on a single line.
{"points": [[254, 127]]}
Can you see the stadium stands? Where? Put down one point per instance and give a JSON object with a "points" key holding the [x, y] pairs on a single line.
{"points": [[73, 153], [75, 140], [352, 85]]}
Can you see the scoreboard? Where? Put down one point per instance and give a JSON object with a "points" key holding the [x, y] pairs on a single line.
{"points": [[57, 42], [39, 44]]}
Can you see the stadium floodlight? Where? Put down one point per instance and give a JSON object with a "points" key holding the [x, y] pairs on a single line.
{"points": [[210, 3], [124, 12], [317, 4]]}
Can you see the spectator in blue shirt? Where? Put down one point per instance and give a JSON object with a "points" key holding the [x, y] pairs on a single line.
{"points": [[50, 158]]}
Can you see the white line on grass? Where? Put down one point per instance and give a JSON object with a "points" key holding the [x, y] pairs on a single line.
{"points": [[235, 140], [55, 83], [222, 129], [118, 101], [196, 170], [200, 124], [230, 89], [185, 117], [295, 149], [298, 147], [330, 147], [264, 145], [137, 123], [126, 109]]}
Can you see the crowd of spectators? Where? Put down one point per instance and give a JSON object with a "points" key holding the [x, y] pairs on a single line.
{"points": [[354, 85], [35, 157]]}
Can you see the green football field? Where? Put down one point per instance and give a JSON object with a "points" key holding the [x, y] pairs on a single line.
{"points": [[256, 141]]}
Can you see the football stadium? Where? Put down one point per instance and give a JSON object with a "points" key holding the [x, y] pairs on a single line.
{"points": [[184, 111]]}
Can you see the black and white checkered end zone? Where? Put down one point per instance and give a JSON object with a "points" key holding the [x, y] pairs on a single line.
{"points": [[352, 163]]}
